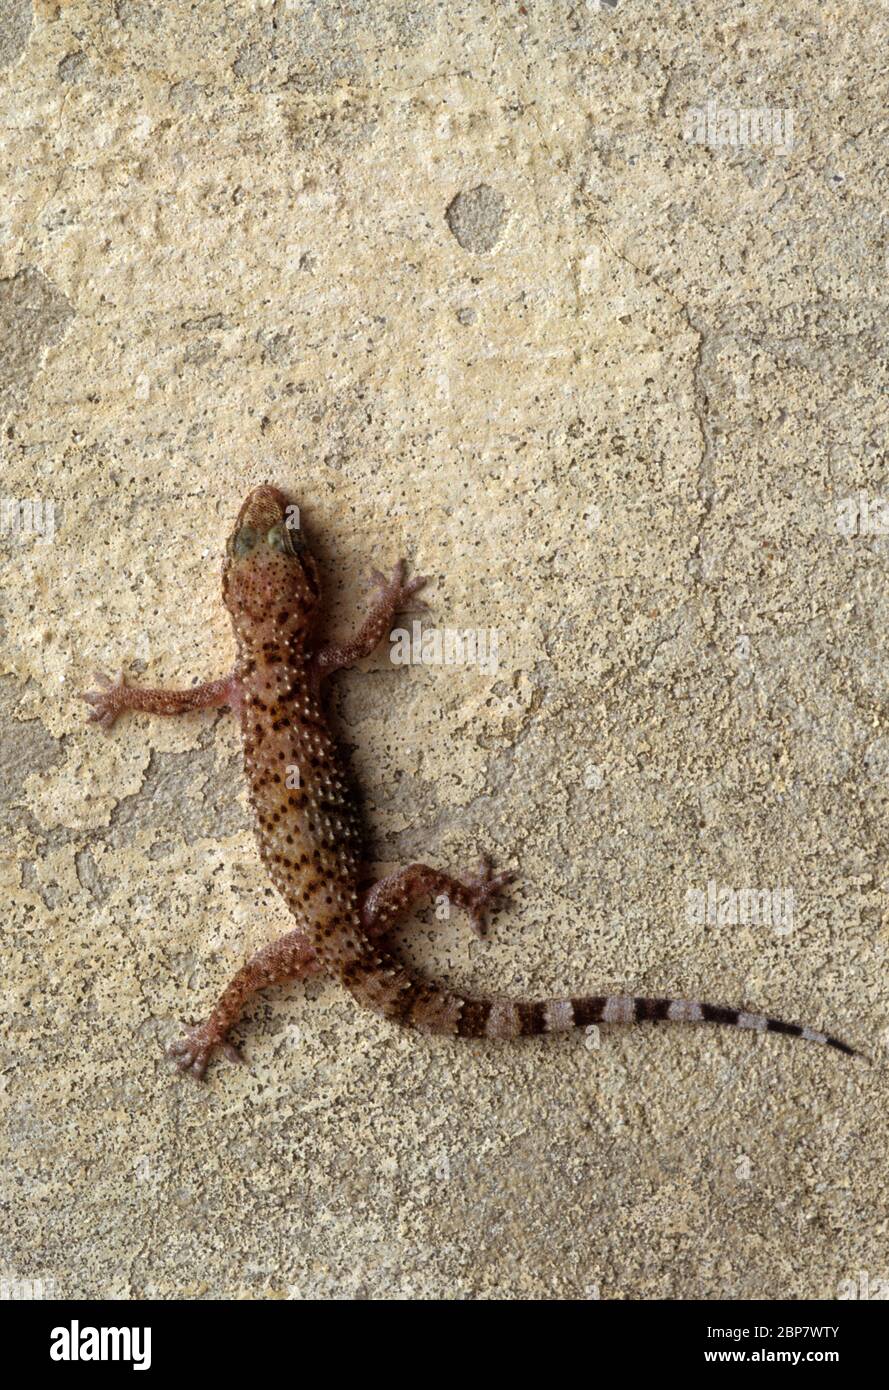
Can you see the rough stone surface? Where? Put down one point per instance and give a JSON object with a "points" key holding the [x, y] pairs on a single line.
{"points": [[15, 25], [476, 218], [73, 67], [33, 315], [623, 436]]}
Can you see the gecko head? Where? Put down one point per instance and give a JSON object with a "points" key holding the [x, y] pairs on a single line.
{"points": [[269, 574]]}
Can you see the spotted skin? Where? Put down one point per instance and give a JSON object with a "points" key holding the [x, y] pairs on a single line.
{"points": [[308, 829]]}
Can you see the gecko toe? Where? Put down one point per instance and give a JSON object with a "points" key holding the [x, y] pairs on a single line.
{"points": [[192, 1052], [399, 589], [482, 889], [411, 589], [108, 702]]}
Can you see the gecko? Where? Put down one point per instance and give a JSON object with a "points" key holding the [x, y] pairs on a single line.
{"points": [[307, 824]]}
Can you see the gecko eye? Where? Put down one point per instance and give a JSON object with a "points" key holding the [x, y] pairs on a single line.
{"points": [[281, 538], [244, 541]]}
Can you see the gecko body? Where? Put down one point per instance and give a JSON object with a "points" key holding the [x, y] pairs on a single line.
{"points": [[307, 826]]}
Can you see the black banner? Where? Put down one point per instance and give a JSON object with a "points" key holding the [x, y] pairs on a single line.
{"points": [[197, 1338]]}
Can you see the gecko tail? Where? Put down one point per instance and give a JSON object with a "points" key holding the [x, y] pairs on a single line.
{"points": [[383, 985], [506, 1018]]}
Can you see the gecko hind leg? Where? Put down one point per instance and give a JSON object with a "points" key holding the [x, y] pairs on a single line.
{"points": [[289, 958], [393, 897]]}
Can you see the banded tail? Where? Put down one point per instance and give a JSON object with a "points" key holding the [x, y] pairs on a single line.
{"points": [[383, 985], [493, 1018]]}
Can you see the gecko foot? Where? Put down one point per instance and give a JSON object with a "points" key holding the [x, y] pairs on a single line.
{"points": [[399, 590], [192, 1052], [109, 702], [482, 889]]}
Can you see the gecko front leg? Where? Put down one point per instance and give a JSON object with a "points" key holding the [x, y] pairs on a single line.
{"points": [[394, 896], [117, 696], [394, 595], [289, 958]]}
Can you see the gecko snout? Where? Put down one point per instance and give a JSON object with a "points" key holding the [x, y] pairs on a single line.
{"points": [[267, 520], [265, 506], [267, 560]]}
